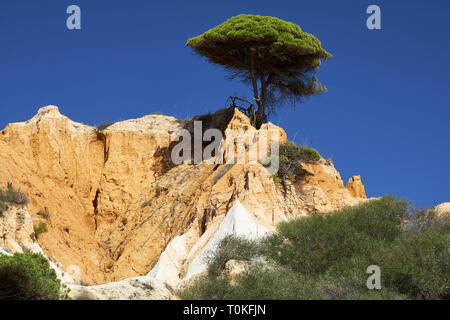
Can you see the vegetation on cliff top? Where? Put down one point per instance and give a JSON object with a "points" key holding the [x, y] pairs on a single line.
{"points": [[326, 257], [290, 158]]}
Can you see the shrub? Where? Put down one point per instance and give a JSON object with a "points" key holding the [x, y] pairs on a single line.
{"points": [[314, 243], [418, 265], [257, 284], [208, 288], [279, 284], [326, 257], [231, 248], [28, 277], [157, 113], [10, 195], [299, 153], [347, 281], [290, 157], [2, 206], [276, 179], [282, 283], [40, 229]]}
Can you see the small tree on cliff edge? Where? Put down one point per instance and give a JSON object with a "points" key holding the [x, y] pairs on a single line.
{"points": [[275, 57]]}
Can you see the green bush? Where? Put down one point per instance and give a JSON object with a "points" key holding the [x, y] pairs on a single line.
{"points": [[2, 206], [208, 288], [289, 159], [282, 283], [228, 249], [299, 153], [312, 244], [274, 284], [10, 195], [418, 265], [28, 277], [346, 280], [41, 228], [326, 257]]}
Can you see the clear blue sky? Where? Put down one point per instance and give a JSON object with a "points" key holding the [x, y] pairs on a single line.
{"points": [[385, 117]]}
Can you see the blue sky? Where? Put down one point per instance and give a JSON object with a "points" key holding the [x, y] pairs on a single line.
{"points": [[385, 116]]}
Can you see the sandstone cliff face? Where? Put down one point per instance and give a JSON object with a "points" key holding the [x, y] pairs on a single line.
{"points": [[17, 236], [84, 179], [16, 230], [115, 202]]}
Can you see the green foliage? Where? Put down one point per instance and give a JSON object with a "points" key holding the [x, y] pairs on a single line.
{"points": [[279, 284], [208, 288], [346, 280], [41, 228], [2, 206], [28, 277], [298, 153], [257, 284], [314, 243], [275, 57], [10, 195], [418, 265], [250, 29], [289, 159], [157, 113], [231, 248], [326, 256], [277, 179]]}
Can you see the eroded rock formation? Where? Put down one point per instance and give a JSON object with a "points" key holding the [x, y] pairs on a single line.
{"points": [[115, 201], [16, 230]]}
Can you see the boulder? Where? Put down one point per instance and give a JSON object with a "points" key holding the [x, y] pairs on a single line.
{"points": [[442, 209]]}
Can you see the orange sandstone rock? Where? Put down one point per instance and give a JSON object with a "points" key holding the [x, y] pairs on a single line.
{"points": [[115, 202], [356, 187]]}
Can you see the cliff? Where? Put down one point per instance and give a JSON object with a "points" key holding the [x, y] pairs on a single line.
{"points": [[115, 202]]}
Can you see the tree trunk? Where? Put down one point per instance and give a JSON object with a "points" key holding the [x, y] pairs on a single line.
{"points": [[261, 116]]}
